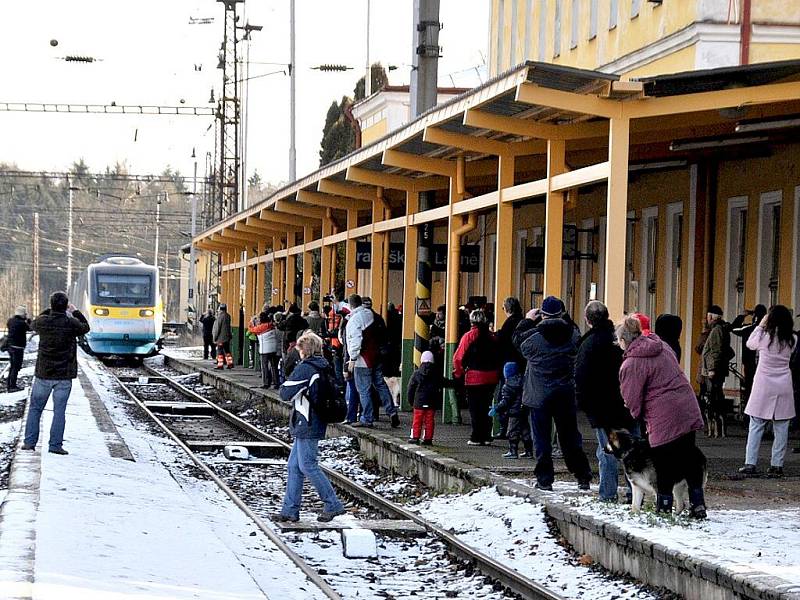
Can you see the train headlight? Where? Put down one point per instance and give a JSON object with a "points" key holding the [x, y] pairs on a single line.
{"points": [[101, 312], [146, 313]]}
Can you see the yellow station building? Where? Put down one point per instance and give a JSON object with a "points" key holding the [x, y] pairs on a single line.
{"points": [[657, 192]]}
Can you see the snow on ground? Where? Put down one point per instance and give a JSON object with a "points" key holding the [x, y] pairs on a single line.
{"points": [[108, 528], [515, 533], [183, 352], [742, 540]]}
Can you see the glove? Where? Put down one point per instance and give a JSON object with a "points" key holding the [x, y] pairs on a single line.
{"points": [[493, 411]]}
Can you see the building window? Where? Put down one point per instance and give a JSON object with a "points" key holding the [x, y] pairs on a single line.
{"points": [[528, 32], [675, 258], [736, 249], [636, 5], [574, 22], [612, 14], [769, 248], [542, 30], [501, 25], [592, 19], [537, 288], [632, 285], [601, 260], [557, 31], [586, 247]]}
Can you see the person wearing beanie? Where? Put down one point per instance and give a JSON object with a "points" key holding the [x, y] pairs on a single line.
{"points": [[716, 357], [17, 327], [518, 415], [644, 320], [425, 394], [477, 361], [549, 346], [748, 357]]}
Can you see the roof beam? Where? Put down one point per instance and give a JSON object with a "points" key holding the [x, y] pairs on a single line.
{"points": [[275, 228], [686, 103], [337, 188], [471, 143], [332, 201], [294, 208], [531, 128], [586, 104], [246, 238], [229, 242], [423, 164], [396, 182], [258, 231], [279, 217]]}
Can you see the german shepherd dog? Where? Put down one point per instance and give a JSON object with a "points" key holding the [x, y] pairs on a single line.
{"points": [[713, 410], [637, 462]]}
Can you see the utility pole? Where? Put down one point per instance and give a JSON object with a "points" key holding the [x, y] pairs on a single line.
{"points": [[368, 77], [292, 116], [166, 277], [229, 113], [192, 251], [35, 301], [158, 226], [424, 82], [69, 238]]}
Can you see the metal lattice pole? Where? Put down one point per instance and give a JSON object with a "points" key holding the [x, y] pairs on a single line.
{"points": [[229, 113]]}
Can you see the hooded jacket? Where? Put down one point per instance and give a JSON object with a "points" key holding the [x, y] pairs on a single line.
{"points": [[58, 350], [511, 396], [550, 349], [597, 367], [669, 328], [18, 327], [316, 323], [477, 357], [425, 387], [222, 328], [717, 351], [291, 326], [655, 389], [302, 384], [208, 324], [267, 340]]}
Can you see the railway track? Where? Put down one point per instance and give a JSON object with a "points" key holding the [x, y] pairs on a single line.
{"points": [[202, 428]]}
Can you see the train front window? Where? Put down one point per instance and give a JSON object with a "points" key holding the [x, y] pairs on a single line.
{"points": [[123, 290]]}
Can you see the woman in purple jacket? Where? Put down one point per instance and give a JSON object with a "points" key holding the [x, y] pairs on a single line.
{"points": [[655, 389], [772, 397]]}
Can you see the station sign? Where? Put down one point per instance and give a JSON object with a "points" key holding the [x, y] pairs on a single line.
{"points": [[470, 257]]}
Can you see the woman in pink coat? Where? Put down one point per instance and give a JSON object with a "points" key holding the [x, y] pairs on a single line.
{"points": [[772, 397], [655, 389]]}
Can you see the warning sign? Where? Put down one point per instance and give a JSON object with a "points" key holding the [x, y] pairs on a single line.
{"points": [[350, 284], [274, 291], [423, 307], [307, 290]]}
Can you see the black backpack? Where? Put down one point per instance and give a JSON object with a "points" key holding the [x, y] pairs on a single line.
{"points": [[330, 405]]}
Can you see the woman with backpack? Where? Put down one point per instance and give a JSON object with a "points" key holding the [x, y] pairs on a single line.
{"points": [[477, 361], [772, 397], [305, 389]]}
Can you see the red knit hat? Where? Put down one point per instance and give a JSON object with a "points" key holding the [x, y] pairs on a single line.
{"points": [[645, 322]]}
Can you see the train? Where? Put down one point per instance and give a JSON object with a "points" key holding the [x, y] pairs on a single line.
{"points": [[120, 297]]}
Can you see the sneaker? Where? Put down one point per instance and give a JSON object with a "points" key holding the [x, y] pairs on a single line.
{"points": [[748, 470], [545, 487], [60, 451], [362, 424], [395, 421], [28, 447], [510, 454], [282, 518], [583, 484], [775, 472], [527, 455], [326, 517], [471, 443], [426, 443], [413, 440], [557, 453], [500, 436], [698, 512]]}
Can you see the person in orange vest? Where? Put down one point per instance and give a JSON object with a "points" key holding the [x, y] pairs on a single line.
{"points": [[222, 337]]}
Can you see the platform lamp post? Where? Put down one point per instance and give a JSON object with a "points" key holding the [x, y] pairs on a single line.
{"points": [[158, 225], [192, 275], [71, 189]]}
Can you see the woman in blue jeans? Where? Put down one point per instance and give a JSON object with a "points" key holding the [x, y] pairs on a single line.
{"points": [[307, 429]]}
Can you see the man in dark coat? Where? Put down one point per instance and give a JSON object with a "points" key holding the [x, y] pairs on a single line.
{"points": [[56, 367], [549, 392], [291, 325], [748, 357], [223, 334], [668, 328], [597, 390], [18, 327], [207, 320]]}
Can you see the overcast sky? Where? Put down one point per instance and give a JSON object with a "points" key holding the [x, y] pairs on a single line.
{"points": [[149, 54]]}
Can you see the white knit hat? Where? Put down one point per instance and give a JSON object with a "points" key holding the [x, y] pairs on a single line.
{"points": [[427, 357], [21, 311]]}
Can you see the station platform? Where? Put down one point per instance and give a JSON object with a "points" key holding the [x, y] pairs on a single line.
{"points": [[110, 520], [746, 549]]}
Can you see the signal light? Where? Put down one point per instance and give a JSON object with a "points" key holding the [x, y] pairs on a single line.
{"points": [[101, 312], [146, 312]]}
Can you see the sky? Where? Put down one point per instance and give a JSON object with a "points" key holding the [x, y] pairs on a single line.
{"points": [[149, 54]]}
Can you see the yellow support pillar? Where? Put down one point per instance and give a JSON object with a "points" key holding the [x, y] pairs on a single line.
{"points": [[276, 293], [350, 271], [249, 286], [410, 356], [308, 266], [554, 220], [504, 253], [326, 260], [380, 257], [260, 275], [290, 271], [616, 217]]}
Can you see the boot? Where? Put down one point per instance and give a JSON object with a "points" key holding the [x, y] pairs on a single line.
{"points": [[697, 502], [664, 503], [528, 450], [220, 361]]}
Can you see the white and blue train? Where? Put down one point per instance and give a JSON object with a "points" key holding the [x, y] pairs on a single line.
{"points": [[119, 295]]}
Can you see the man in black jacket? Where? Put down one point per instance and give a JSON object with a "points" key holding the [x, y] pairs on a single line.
{"points": [[597, 391], [56, 367], [207, 320], [18, 327]]}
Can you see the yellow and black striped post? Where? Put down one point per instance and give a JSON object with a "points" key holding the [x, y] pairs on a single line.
{"points": [[423, 292]]}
